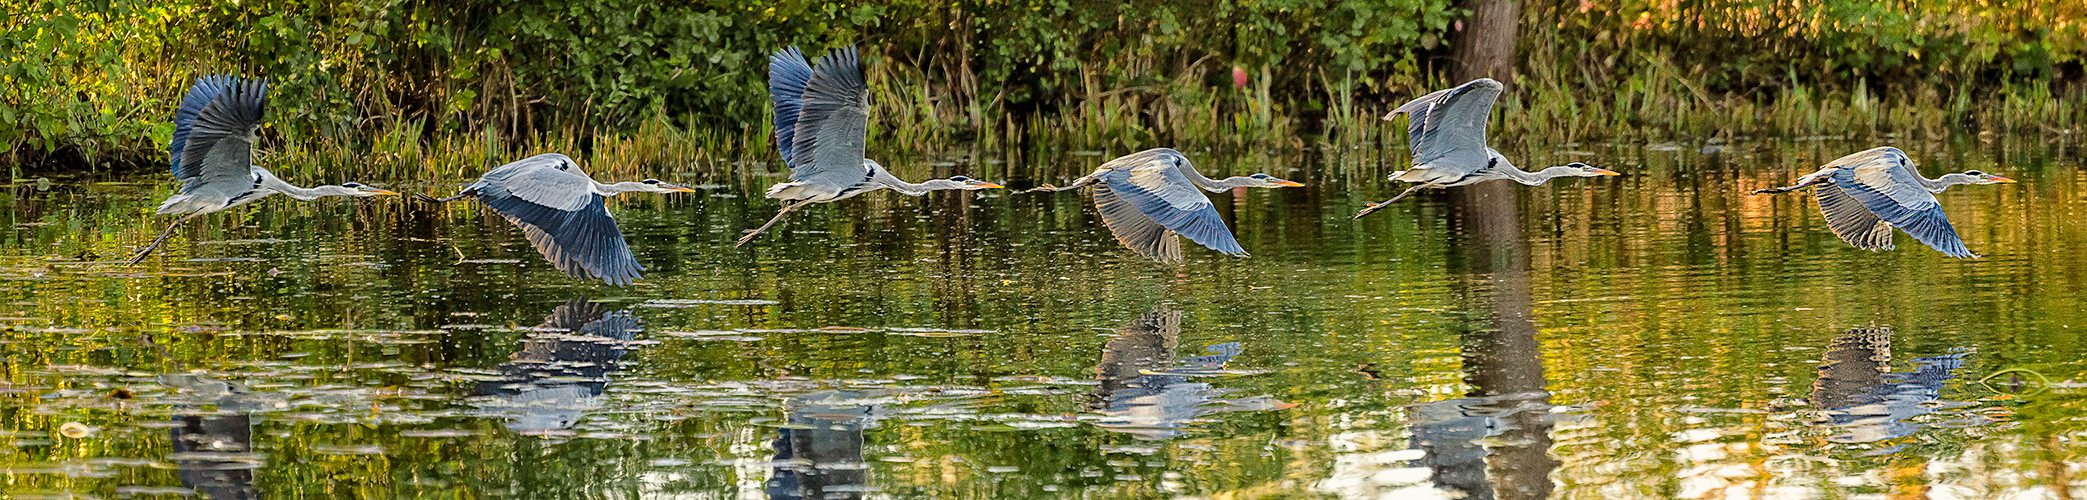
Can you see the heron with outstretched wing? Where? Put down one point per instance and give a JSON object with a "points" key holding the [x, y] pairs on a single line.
{"points": [[1864, 195], [822, 119], [562, 212], [212, 154], [1447, 132], [1149, 198]]}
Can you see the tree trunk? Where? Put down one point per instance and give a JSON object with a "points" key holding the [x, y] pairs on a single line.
{"points": [[1485, 48]]}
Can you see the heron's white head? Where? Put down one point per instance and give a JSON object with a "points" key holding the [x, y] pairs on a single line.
{"points": [[1586, 170], [1977, 177], [1269, 181], [970, 184]]}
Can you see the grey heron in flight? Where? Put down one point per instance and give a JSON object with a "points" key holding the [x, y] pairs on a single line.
{"points": [[1447, 131], [213, 155], [1864, 195], [560, 209], [821, 127], [1149, 197]]}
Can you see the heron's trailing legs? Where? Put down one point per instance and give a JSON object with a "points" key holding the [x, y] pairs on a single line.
{"points": [[771, 222], [431, 199], [1380, 206], [158, 241], [1076, 184]]}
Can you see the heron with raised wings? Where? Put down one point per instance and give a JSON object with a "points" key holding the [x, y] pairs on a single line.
{"points": [[1149, 198], [562, 212], [821, 129], [213, 155], [1864, 195], [1447, 132]]}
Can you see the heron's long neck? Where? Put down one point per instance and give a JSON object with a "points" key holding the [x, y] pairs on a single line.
{"points": [[1214, 186], [884, 177], [1940, 184], [1540, 177], [617, 188], [270, 182]]}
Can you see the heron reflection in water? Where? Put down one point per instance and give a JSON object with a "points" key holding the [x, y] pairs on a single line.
{"points": [[1145, 392], [1863, 398], [214, 449], [562, 369], [819, 454]]}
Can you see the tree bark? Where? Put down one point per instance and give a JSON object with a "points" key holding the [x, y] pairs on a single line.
{"points": [[1485, 48]]}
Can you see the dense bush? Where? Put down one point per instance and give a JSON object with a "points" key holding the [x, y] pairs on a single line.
{"points": [[96, 80]]}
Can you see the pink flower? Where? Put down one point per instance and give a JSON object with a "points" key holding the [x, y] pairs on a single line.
{"points": [[1239, 77]]}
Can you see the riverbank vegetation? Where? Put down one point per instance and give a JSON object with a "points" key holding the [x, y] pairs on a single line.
{"points": [[382, 86]]}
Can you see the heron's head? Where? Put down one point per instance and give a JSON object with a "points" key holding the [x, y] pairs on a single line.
{"points": [[358, 189], [656, 186], [1270, 181], [1590, 170], [1977, 177], [970, 184]]}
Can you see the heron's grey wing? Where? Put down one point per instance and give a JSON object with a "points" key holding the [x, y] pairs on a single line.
{"points": [[833, 123], [787, 74], [212, 148], [1158, 190], [1135, 230], [564, 220], [1447, 129], [1884, 181], [1852, 221]]}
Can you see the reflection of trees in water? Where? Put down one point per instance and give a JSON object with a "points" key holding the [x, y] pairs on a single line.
{"points": [[214, 450], [1146, 392], [1859, 394], [561, 369], [819, 454], [1508, 405]]}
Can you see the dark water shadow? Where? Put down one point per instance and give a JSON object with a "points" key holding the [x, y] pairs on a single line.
{"points": [[562, 368]]}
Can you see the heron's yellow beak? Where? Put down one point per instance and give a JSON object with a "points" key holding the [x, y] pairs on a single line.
{"points": [[681, 189], [2003, 180], [988, 185], [1606, 172], [1289, 184], [382, 192]]}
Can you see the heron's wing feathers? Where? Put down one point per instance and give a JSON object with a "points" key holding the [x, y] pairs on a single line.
{"points": [[1133, 229], [787, 74], [1852, 221], [833, 122], [550, 180], [1883, 180], [562, 218], [1451, 124], [1158, 190], [594, 319], [212, 146]]}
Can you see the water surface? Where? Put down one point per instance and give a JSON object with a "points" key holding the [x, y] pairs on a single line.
{"points": [[1661, 334]]}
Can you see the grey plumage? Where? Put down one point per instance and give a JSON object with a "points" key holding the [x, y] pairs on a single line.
{"points": [[1864, 195], [1446, 130], [822, 128], [1149, 197], [561, 210], [212, 154]]}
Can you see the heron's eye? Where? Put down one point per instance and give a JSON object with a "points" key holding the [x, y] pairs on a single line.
{"points": [[960, 179], [652, 181], [1974, 173]]}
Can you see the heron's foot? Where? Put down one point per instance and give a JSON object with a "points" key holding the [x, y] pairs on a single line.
{"points": [[1045, 187], [1776, 190]]}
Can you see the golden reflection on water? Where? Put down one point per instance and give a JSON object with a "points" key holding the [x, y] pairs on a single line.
{"points": [[1661, 334]]}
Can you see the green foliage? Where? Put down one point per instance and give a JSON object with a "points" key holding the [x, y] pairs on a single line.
{"points": [[96, 81]]}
